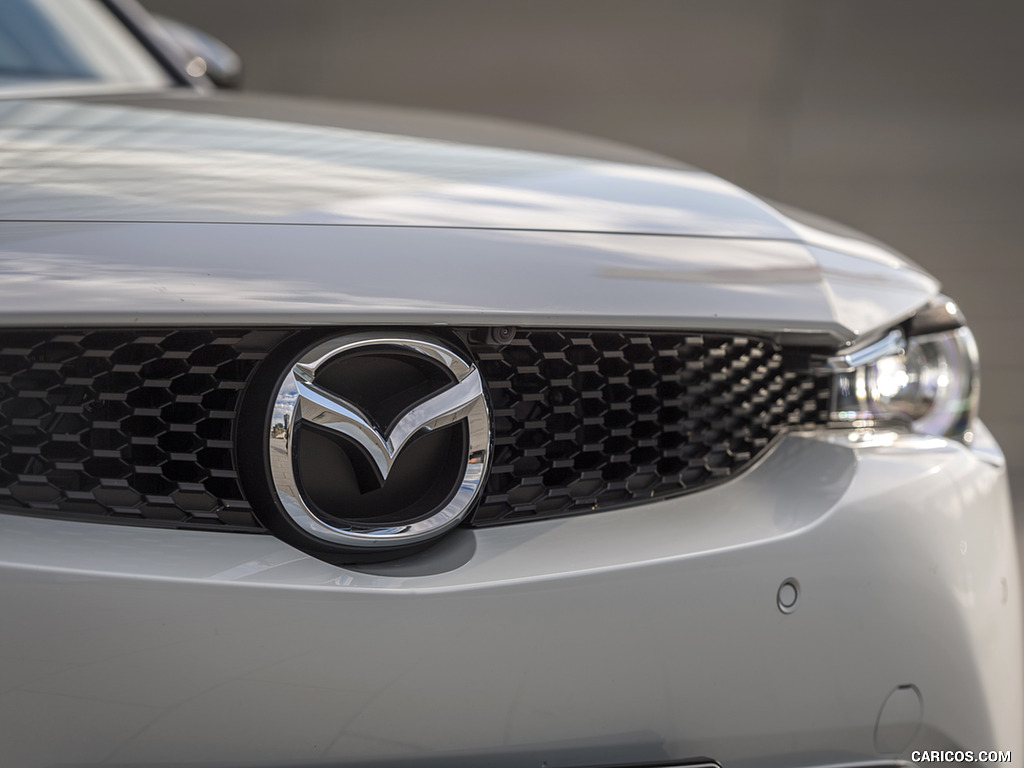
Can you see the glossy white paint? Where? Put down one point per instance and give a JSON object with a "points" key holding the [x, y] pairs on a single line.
{"points": [[153, 215], [150, 215], [656, 628], [643, 634], [134, 273], [67, 161]]}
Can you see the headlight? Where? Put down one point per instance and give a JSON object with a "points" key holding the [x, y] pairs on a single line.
{"points": [[923, 375]]}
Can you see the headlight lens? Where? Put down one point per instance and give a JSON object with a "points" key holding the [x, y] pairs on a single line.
{"points": [[923, 375]]}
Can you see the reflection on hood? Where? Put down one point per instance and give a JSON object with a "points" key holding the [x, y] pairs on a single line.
{"points": [[86, 162]]}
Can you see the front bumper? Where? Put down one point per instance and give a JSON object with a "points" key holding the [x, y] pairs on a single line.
{"points": [[649, 634]]}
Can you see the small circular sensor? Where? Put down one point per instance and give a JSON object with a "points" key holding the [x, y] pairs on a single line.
{"points": [[789, 593]]}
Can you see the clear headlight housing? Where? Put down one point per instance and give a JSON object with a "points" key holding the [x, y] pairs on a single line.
{"points": [[922, 375]]}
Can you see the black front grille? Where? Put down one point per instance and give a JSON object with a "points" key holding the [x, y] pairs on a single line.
{"points": [[585, 421], [133, 426], [137, 425]]}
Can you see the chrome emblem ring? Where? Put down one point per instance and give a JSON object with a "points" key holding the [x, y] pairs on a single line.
{"points": [[300, 402]]}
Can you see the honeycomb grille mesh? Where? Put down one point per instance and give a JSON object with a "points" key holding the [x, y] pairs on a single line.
{"points": [[588, 421], [134, 426]]}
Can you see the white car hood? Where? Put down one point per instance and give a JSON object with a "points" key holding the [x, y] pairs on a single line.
{"points": [[114, 215], [71, 161]]}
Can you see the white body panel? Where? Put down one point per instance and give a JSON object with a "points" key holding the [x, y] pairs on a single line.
{"points": [[636, 635], [641, 634], [117, 273]]}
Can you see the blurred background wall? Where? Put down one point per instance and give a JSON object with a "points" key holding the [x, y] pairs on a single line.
{"points": [[904, 118]]}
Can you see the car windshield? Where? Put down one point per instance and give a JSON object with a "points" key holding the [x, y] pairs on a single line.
{"points": [[70, 45]]}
